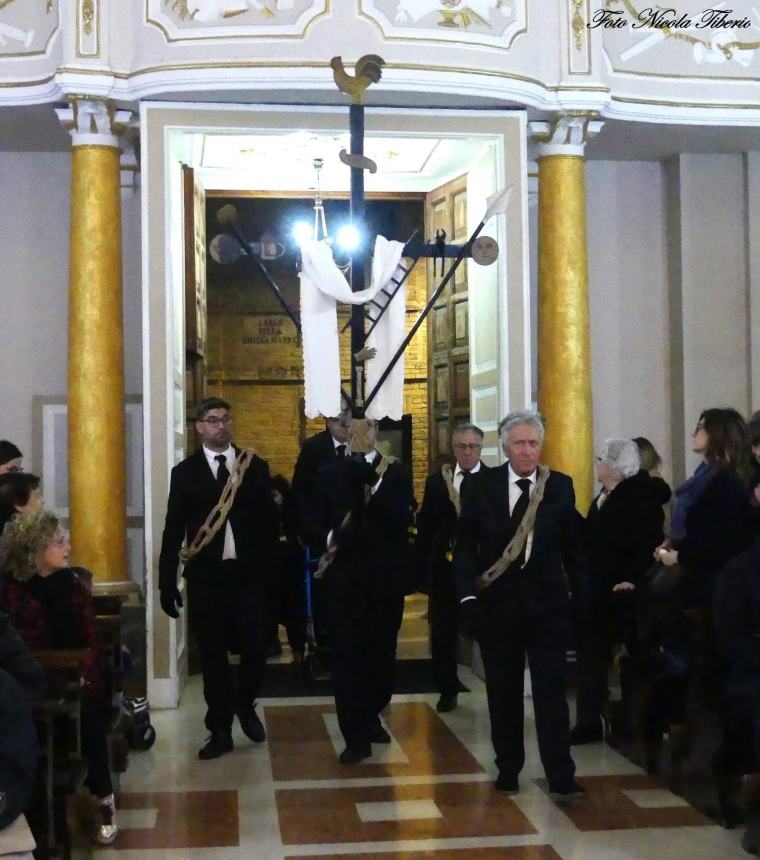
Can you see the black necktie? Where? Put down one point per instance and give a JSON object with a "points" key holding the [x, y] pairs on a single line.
{"points": [[222, 473], [518, 512], [340, 451]]}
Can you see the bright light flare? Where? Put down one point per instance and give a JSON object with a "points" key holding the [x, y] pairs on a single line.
{"points": [[348, 238], [302, 232]]}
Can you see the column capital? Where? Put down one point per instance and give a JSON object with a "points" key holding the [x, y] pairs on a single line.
{"points": [[93, 121], [565, 135]]}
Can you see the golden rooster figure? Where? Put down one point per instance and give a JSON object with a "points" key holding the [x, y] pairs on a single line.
{"points": [[369, 70]]}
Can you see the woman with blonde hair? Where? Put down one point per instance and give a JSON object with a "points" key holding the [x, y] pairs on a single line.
{"points": [[50, 606]]}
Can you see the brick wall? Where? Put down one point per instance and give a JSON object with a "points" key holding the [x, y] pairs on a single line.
{"points": [[255, 363]]}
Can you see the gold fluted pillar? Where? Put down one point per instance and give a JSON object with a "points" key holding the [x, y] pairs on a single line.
{"points": [[564, 349], [96, 427]]}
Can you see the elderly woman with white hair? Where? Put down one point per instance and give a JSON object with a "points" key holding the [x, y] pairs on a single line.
{"points": [[623, 526]]}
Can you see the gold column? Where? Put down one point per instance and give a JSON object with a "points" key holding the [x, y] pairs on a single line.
{"points": [[564, 350], [96, 445]]}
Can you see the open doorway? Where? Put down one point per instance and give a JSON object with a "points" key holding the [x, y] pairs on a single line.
{"points": [[266, 153]]}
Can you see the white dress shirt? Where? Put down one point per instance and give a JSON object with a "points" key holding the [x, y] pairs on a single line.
{"points": [[459, 475], [229, 551], [514, 494]]}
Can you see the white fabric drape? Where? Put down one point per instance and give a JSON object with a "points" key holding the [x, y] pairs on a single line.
{"points": [[322, 285]]}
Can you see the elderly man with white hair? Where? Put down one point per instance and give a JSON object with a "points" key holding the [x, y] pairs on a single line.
{"points": [[518, 544], [623, 526]]}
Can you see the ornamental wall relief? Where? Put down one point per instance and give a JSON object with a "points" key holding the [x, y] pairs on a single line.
{"points": [[182, 20], [27, 26], [694, 39], [479, 22]]}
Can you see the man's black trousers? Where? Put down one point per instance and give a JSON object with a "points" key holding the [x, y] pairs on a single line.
{"points": [[507, 635], [227, 610], [363, 632], [444, 629]]}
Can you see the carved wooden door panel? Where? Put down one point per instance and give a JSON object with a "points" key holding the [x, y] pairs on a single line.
{"points": [[194, 197], [448, 329]]}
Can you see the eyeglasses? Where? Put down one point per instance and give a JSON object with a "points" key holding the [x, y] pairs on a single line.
{"points": [[12, 469], [215, 422], [461, 446]]}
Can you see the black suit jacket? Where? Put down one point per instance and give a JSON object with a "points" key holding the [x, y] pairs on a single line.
{"points": [[317, 451], [437, 522], [556, 553], [192, 494], [373, 549]]}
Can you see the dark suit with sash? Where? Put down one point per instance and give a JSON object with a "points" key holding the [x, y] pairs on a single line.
{"points": [[366, 583], [525, 611], [226, 598], [436, 533]]}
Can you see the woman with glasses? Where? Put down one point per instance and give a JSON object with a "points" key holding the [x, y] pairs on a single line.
{"points": [[51, 607]]}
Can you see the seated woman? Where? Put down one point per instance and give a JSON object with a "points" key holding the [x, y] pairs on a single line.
{"points": [[623, 526], [19, 493], [51, 607]]}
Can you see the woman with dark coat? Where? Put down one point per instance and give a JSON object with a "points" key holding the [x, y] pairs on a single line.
{"points": [[623, 526], [708, 527], [50, 606]]}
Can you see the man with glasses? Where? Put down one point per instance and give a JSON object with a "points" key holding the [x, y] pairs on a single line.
{"points": [[225, 579], [11, 459], [436, 533]]}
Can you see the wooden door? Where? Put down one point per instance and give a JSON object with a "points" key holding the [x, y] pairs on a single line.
{"points": [[194, 198], [448, 327]]}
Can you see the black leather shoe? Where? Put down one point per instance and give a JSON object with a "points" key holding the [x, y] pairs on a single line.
{"points": [[567, 790], [251, 725], [217, 744], [506, 784], [586, 734], [355, 754], [380, 736], [446, 703]]}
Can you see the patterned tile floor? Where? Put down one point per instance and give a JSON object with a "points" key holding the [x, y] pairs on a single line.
{"points": [[428, 794]]}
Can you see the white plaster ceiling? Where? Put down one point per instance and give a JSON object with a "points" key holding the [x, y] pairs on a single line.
{"points": [[286, 162]]}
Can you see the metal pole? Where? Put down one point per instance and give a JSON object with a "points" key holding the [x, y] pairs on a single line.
{"points": [[358, 261]]}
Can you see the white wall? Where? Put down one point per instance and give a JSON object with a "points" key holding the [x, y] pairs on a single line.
{"points": [[628, 298], [34, 265], [34, 273]]}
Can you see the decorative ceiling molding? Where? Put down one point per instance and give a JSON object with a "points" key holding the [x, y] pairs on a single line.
{"points": [[26, 29], [696, 42], [192, 20], [579, 38], [493, 23], [88, 28]]}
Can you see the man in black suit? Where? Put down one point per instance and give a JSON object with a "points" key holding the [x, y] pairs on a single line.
{"points": [[361, 516], [317, 451], [225, 579], [436, 533], [518, 538]]}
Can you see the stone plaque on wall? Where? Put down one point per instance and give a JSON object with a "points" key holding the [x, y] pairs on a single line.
{"points": [[254, 346]]}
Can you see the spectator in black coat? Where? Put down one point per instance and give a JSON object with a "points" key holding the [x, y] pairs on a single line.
{"points": [[736, 612], [18, 661], [623, 526], [19, 749], [19, 492], [708, 527]]}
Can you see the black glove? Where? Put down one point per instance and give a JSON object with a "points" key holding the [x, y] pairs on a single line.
{"points": [[471, 617], [171, 600]]}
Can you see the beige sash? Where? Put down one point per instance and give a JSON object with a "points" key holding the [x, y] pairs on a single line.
{"points": [[515, 546], [219, 513], [448, 478], [325, 560]]}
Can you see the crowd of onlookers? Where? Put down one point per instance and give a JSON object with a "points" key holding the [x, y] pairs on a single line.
{"points": [[672, 601]]}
